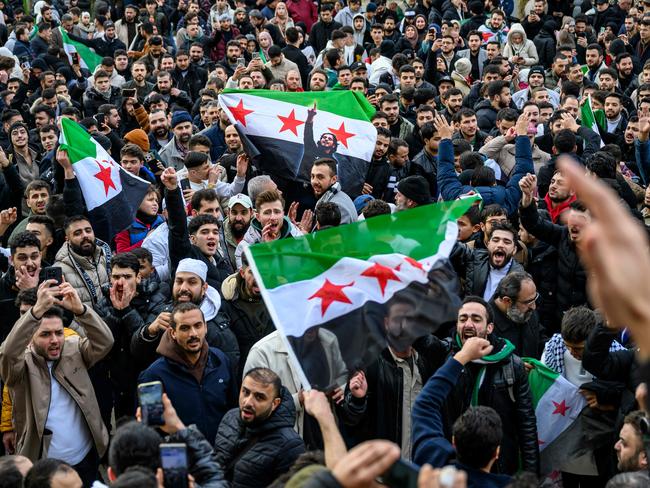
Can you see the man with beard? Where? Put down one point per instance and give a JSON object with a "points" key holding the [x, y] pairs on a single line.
{"points": [[23, 274], [126, 305], [630, 449], [535, 80], [452, 100], [483, 269], [497, 380], [84, 259], [571, 277], [324, 182], [173, 154], [198, 379], [37, 194], [324, 148], [627, 82], [176, 99], [159, 133], [378, 170], [249, 317], [127, 27], [189, 286], [515, 318], [48, 376], [235, 226], [139, 81], [102, 92], [229, 159], [614, 117], [499, 96], [426, 161], [559, 197], [256, 442]]}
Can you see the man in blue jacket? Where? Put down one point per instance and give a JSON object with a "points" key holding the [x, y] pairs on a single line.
{"points": [[477, 432], [197, 378], [508, 197]]}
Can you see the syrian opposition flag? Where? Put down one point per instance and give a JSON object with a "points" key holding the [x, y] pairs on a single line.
{"points": [[276, 124], [595, 120], [558, 405], [385, 280], [87, 57], [112, 195]]}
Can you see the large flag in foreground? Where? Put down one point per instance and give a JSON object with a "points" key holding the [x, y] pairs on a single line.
{"points": [[88, 58], [366, 284], [558, 405], [112, 195], [291, 130]]}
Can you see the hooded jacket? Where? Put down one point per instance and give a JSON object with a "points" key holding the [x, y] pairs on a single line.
{"points": [[28, 375], [526, 49], [335, 195], [203, 402], [253, 456], [254, 235], [94, 267]]}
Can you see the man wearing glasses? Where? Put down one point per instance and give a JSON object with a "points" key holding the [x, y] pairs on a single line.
{"points": [[515, 317]]}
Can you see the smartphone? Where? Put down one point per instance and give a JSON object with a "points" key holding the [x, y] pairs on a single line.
{"points": [[75, 58], [173, 459], [100, 118], [241, 62], [185, 185], [255, 55], [51, 273], [150, 398], [25, 65], [128, 93], [402, 474]]}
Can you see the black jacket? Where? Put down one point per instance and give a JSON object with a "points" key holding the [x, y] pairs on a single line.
{"points": [[321, 33], [8, 309], [426, 165], [180, 246], [542, 266], [254, 456], [504, 388], [292, 53], [377, 176], [545, 44], [527, 338], [571, 277], [192, 82], [486, 115], [201, 465], [473, 268], [379, 414]]}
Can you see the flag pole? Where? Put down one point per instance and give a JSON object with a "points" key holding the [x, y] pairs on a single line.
{"points": [[306, 385]]}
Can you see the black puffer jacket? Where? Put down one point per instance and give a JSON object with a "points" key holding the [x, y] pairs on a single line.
{"points": [[206, 472], [513, 404], [473, 268], [571, 276], [486, 115], [254, 456]]}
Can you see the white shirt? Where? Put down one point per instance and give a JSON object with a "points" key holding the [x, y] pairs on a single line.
{"points": [[494, 277], [71, 439]]}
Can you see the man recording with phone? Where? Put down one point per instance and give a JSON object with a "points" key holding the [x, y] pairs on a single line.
{"points": [[56, 413]]}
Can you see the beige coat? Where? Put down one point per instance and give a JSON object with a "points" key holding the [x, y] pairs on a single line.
{"points": [[72, 263], [503, 153], [27, 375], [271, 352]]}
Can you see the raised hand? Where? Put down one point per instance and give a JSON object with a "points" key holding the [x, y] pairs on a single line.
{"points": [[474, 348], [169, 178], [359, 385], [442, 127], [527, 184]]}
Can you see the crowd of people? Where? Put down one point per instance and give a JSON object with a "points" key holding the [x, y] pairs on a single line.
{"points": [[541, 107]]}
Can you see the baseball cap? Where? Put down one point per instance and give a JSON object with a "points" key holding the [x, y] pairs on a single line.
{"points": [[358, 66], [241, 199]]}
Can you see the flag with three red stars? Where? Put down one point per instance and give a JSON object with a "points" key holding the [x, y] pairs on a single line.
{"points": [[376, 282], [112, 195], [279, 126]]}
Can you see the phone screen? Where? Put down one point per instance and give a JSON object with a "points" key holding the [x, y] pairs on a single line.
{"points": [[129, 93], [51, 273], [100, 118], [185, 184], [173, 458], [150, 396]]}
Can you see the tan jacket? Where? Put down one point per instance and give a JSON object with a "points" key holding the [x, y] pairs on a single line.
{"points": [[27, 375], [72, 264], [503, 152]]}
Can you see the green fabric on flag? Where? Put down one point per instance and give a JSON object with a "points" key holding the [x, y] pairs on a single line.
{"points": [[584, 68], [595, 120], [263, 56], [86, 55], [334, 102], [416, 233], [540, 379], [77, 141]]}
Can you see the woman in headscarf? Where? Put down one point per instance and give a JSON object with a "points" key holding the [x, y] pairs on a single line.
{"points": [[421, 25], [282, 19], [265, 41], [410, 40]]}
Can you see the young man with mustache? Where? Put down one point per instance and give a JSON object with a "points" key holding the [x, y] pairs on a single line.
{"points": [[199, 380]]}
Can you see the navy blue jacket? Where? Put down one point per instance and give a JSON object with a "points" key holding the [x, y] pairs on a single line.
{"points": [[429, 442], [508, 197], [202, 404]]}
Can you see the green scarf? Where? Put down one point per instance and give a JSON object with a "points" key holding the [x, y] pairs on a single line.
{"points": [[494, 358]]}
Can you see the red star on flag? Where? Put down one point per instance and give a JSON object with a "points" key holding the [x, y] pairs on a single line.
{"points": [[240, 113], [414, 263], [382, 273], [330, 293], [105, 176], [341, 134], [560, 408], [291, 122]]}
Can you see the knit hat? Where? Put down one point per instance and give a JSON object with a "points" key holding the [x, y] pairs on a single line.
{"points": [[179, 117], [536, 69], [371, 7], [139, 138], [189, 265], [415, 188], [463, 67]]}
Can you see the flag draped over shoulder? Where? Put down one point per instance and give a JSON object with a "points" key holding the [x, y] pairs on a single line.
{"points": [[87, 57], [353, 289], [278, 124], [595, 120], [112, 195], [558, 405]]}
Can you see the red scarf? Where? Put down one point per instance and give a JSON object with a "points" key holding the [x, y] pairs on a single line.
{"points": [[559, 208]]}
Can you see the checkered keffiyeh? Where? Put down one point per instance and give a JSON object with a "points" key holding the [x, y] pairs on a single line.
{"points": [[555, 349]]}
